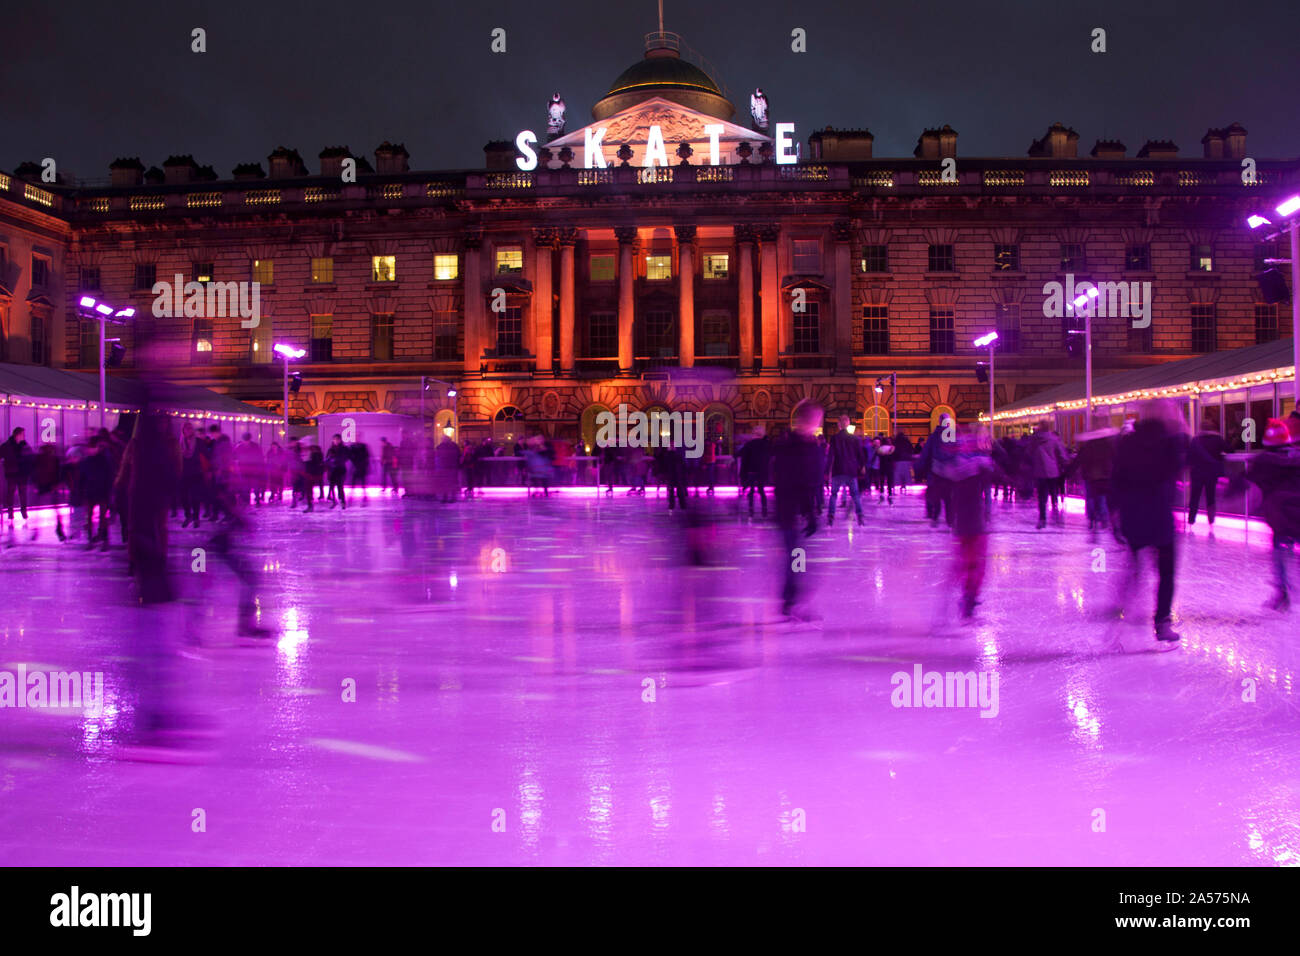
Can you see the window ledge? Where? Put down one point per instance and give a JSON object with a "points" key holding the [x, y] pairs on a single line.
{"points": [[1009, 274], [380, 286], [1202, 274], [437, 283], [943, 275], [877, 275], [320, 287]]}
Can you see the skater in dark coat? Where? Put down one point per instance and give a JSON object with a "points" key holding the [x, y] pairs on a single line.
{"points": [[755, 463], [1205, 468], [1148, 461], [1276, 472], [969, 474], [797, 468]]}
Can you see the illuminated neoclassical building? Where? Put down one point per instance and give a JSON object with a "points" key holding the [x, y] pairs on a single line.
{"points": [[711, 276]]}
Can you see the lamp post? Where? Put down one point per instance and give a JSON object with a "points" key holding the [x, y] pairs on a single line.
{"points": [[982, 342], [287, 352], [1288, 209], [1084, 303], [103, 312], [425, 382], [893, 392]]}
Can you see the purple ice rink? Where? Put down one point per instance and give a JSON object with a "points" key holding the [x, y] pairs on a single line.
{"points": [[502, 651]]}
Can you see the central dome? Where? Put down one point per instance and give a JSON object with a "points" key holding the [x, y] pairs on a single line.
{"points": [[664, 73]]}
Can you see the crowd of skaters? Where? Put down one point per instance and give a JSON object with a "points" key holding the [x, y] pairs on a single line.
{"points": [[1130, 477]]}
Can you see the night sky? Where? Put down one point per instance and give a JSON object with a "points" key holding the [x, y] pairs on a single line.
{"points": [[85, 82]]}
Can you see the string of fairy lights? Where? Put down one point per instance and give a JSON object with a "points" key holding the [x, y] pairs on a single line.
{"points": [[126, 410], [1185, 390]]}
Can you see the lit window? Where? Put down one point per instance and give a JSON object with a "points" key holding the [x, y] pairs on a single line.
{"points": [[510, 260], [807, 256], [602, 268], [322, 269], [383, 269], [264, 271], [1202, 258], [1006, 258], [446, 266], [202, 340], [715, 266], [658, 267], [202, 272]]}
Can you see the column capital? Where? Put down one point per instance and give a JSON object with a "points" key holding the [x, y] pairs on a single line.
{"points": [[626, 235], [567, 235], [766, 231], [684, 233], [842, 230], [472, 238], [745, 233], [544, 237]]}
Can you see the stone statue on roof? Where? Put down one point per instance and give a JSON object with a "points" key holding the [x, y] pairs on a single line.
{"points": [[555, 117], [758, 109]]}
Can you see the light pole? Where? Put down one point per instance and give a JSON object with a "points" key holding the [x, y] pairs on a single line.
{"points": [[1084, 303], [425, 382], [981, 342], [893, 392], [287, 352], [101, 312], [1291, 224]]}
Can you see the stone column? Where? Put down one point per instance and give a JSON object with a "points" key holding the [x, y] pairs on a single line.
{"points": [[626, 297], [842, 234], [474, 303], [544, 241], [745, 303], [685, 296], [768, 234], [568, 239]]}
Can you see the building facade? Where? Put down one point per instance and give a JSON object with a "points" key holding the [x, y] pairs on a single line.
{"points": [[722, 280]]}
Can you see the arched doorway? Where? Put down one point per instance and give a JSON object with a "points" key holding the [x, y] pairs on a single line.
{"points": [[719, 427], [590, 425], [508, 425], [446, 418]]}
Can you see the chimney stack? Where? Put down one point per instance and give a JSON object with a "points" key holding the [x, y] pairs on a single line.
{"points": [[1059, 142], [126, 172], [1158, 149], [391, 158]]}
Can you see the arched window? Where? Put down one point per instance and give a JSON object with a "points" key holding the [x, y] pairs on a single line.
{"points": [[508, 424], [938, 411], [875, 420]]}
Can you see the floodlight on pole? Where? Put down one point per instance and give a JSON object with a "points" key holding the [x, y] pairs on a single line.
{"points": [[1287, 209], [987, 341], [288, 353], [102, 312]]}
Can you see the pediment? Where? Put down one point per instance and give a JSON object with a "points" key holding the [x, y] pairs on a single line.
{"points": [[679, 124]]}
